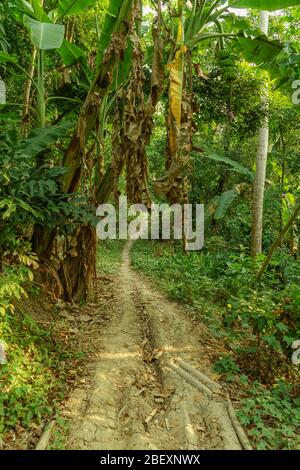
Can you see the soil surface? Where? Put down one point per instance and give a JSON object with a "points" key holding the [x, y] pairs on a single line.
{"points": [[134, 399]]}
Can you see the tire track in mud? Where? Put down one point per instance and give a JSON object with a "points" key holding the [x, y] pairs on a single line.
{"points": [[137, 401]]}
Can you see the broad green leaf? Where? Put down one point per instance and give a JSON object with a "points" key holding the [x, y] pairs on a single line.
{"points": [[253, 45], [123, 68], [40, 139], [11, 208], [3, 43], [5, 202], [234, 164], [33, 10], [257, 48], [45, 36], [261, 323], [26, 206], [38, 10], [73, 7], [211, 207], [225, 201], [222, 159], [70, 53], [270, 5]]}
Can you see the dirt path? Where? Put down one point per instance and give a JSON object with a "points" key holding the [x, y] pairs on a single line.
{"points": [[136, 401]]}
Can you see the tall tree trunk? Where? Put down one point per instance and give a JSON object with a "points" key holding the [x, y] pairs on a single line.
{"points": [[261, 164]]}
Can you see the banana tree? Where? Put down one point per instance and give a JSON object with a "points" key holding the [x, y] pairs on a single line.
{"points": [[209, 21], [47, 33], [45, 36], [133, 127], [110, 57], [78, 265]]}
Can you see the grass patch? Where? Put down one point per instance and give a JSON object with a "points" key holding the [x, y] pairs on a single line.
{"points": [[109, 256]]}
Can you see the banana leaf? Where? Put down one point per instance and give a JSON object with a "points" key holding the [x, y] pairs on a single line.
{"points": [[270, 5], [40, 139], [45, 36], [73, 7]]}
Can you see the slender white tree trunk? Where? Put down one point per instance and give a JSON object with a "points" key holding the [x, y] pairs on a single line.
{"points": [[261, 163]]}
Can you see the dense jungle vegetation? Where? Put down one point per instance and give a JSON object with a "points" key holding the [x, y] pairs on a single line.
{"points": [[164, 102]]}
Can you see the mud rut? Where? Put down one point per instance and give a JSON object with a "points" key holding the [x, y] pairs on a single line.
{"points": [[136, 401]]}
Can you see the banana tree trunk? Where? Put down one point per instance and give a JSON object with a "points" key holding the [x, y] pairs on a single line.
{"points": [[261, 164], [138, 114], [175, 184], [129, 151], [89, 112], [78, 269], [78, 264]]}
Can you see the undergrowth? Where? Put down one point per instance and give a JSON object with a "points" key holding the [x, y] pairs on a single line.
{"points": [[109, 256], [34, 364], [257, 325]]}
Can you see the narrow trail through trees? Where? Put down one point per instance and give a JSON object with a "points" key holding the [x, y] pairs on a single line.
{"points": [[136, 400]]}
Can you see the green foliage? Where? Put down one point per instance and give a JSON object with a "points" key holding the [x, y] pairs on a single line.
{"points": [[33, 376], [40, 139], [73, 7], [6, 57], [227, 365], [234, 164], [109, 256], [256, 322], [225, 201], [186, 277], [3, 42], [59, 433], [70, 53], [266, 4], [117, 11], [272, 416], [31, 195], [11, 280]]}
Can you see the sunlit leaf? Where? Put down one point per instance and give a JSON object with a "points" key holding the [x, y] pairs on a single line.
{"points": [[73, 7], [45, 36], [270, 5]]}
